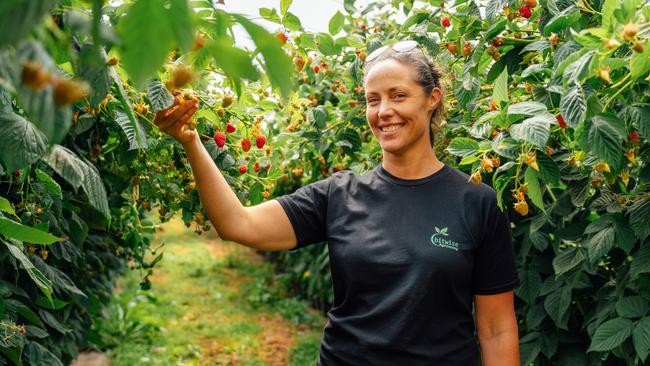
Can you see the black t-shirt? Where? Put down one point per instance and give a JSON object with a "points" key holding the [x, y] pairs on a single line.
{"points": [[406, 257]]}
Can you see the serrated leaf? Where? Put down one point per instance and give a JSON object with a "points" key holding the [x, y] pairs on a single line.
{"points": [[24, 233], [22, 144], [50, 184], [610, 335], [640, 63], [567, 260], [527, 108], [579, 70], [534, 130], [556, 305], [270, 14], [463, 146], [549, 172], [632, 307], [605, 139], [93, 185], [639, 213], [573, 106], [43, 283], [37, 355], [336, 23], [493, 8], [5, 206], [640, 115], [18, 17], [235, 62], [94, 70], [284, 6], [136, 136], [277, 64], [60, 281], [500, 92], [146, 23], [641, 338], [600, 243], [562, 20], [65, 163], [159, 97], [534, 190], [180, 21], [291, 22]]}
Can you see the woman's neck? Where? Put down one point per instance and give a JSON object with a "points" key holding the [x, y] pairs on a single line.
{"points": [[414, 165]]}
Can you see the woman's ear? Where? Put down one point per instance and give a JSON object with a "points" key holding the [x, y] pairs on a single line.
{"points": [[434, 98]]}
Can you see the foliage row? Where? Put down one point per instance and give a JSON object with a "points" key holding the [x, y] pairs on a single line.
{"points": [[547, 102]]}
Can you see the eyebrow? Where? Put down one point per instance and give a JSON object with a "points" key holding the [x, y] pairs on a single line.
{"points": [[390, 90]]}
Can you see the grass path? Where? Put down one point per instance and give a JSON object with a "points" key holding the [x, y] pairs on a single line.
{"points": [[211, 303]]}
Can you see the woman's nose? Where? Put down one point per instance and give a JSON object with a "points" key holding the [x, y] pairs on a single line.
{"points": [[385, 109]]}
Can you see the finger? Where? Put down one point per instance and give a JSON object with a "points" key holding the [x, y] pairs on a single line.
{"points": [[182, 121], [175, 115]]}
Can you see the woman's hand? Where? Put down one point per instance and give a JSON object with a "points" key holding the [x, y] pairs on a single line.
{"points": [[175, 119]]}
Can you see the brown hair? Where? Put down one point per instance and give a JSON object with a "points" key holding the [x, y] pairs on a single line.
{"points": [[427, 73]]}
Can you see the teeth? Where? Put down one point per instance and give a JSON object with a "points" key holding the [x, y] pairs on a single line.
{"points": [[391, 128]]}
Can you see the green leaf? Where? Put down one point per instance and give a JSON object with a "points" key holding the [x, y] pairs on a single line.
{"points": [[94, 188], [22, 144], [534, 130], [356, 41], [468, 90], [336, 23], [534, 190], [573, 106], [641, 338], [640, 63], [500, 92], [159, 97], [270, 14], [235, 62], [50, 184], [463, 146], [527, 108], [277, 64], [284, 6], [60, 281], [39, 279], [180, 22], [94, 70], [25, 233], [566, 18], [55, 304], [567, 260], [556, 305], [147, 33], [65, 163], [326, 44], [639, 213], [549, 172], [605, 139], [601, 243], [607, 10], [579, 70], [632, 307], [19, 17], [640, 115], [136, 136], [291, 22], [5, 206], [38, 355], [528, 290], [610, 335]]}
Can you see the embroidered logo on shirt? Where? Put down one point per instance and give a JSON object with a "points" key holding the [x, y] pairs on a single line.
{"points": [[438, 239]]}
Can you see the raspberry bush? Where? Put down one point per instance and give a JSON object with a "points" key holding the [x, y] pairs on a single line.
{"points": [[547, 102]]}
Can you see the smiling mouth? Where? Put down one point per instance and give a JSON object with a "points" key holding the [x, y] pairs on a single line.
{"points": [[391, 128]]}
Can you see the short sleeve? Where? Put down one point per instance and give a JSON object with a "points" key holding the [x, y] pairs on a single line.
{"points": [[307, 212], [495, 269]]}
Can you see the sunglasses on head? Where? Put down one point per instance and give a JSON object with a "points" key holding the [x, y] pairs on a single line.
{"points": [[401, 46]]}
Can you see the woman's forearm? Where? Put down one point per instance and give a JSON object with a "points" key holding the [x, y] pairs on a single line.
{"points": [[501, 349], [222, 205]]}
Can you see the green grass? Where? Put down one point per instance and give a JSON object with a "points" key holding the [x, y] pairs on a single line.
{"points": [[204, 309]]}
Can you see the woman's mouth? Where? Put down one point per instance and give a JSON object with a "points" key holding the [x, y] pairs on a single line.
{"points": [[391, 128]]}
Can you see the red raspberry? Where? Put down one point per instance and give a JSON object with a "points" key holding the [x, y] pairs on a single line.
{"points": [[525, 11], [243, 169], [445, 22], [256, 167], [220, 138], [634, 136], [245, 144], [316, 69], [260, 141], [560, 121], [230, 128]]}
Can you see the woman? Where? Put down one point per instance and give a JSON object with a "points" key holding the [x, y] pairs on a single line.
{"points": [[419, 256]]}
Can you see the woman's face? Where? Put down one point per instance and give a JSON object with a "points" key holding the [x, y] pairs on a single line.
{"points": [[398, 109]]}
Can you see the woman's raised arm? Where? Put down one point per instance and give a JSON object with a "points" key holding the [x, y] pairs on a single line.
{"points": [[265, 226]]}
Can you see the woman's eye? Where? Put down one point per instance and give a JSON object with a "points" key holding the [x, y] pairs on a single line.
{"points": [[371, 100], [399, 96]]}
